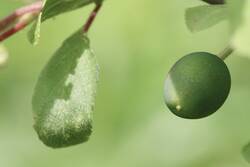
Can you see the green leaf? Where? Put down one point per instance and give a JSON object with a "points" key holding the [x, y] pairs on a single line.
{"points": [[240, 23], [98, 1], [214, 1], [64, 96], [246, 152], [56, 7], [53, 8], [202, 17], [235, 13], [3, 55], [34, 33]]}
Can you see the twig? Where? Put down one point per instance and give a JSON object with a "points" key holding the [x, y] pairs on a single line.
{"points": [[11, 19], [226, 52], [24, 21], [91, 18], [16, 22]]}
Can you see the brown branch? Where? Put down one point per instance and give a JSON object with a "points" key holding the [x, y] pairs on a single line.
{"points": [[12, 18], [91, 18], [23, 16], [24, 21]]}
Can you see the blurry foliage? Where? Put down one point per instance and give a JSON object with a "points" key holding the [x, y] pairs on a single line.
{"points": [[132, 126], [3, 56], [202, 17]]}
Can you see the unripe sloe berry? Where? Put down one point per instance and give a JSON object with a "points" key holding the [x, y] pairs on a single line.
{"points": [[197, 85]]}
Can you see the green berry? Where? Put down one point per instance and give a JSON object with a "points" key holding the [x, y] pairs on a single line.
{"points": [[197, 85]]}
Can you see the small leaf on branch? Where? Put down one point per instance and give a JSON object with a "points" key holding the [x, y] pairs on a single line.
{"points": [[51, 9], [64, 96], [205, 16], [55, 7], [34, 33]]}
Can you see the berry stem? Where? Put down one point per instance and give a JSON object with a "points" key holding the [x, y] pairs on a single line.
{"points": [[91, 18], [226, 52]]}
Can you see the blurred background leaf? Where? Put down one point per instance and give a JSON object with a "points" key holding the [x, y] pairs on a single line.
{"points": [[132, 126], [236, 9], [202, 17], [241, 39], [246, 152]]}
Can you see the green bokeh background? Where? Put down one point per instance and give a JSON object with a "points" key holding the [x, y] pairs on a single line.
{"points": [[136, 43]]}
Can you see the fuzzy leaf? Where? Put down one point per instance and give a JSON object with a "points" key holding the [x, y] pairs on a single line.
{"points": [[64, 96], [202, 17]]}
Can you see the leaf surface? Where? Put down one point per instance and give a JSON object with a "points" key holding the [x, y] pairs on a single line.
{"points": [[202, 17], [51, 9], [64, 96], [240, 26]]}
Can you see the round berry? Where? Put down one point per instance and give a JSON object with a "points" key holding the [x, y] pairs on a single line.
{"points": [[197, 85]]}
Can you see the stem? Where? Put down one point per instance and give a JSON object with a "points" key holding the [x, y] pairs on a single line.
{"points": [[24, 21], [11, 19], [14, 22], [226, 52], [91, 18]]}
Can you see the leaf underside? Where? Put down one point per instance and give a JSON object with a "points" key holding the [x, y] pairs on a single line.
{"points": [[64, 96]]}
